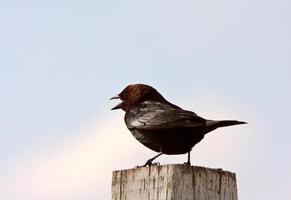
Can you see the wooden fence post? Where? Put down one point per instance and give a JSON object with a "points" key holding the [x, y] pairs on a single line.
{"points": [[173, 182]]}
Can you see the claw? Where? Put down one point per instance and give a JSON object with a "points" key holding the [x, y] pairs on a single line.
{"points": [[187, 163], [149, 162]]}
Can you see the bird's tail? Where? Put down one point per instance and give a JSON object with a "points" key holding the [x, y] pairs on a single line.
{"points": [[222, 123]]}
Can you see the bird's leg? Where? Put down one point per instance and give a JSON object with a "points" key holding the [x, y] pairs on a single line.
{"points": [[188, 161], [149, 162]]}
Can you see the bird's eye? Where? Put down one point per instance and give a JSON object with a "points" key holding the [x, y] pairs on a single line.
{"points": [[123, 95]]}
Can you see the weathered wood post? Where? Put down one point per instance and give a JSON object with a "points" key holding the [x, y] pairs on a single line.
{"points": [[173, 182]]}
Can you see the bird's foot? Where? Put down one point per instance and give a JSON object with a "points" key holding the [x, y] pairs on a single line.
{"points": [[152, 164], [147, 164], [187, 163]]}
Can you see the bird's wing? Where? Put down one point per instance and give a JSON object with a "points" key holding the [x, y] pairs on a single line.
{"points": [[157, 117]]}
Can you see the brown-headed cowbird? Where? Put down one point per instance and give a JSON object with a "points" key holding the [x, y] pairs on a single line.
{"points": [[162, 126]]}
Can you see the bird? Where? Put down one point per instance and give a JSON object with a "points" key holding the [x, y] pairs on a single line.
{"points": [[162, 126]]}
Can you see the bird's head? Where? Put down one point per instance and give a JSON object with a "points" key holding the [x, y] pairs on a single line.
{"points": [[135, 94]]}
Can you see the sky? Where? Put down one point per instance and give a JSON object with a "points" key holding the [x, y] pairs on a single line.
{"points": [[61, 61]]}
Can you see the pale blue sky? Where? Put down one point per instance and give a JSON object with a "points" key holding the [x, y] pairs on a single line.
{"points": [[60, 62]]}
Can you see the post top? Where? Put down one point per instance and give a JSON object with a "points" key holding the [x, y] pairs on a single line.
{"points": [[173, 182], [178, 166], [175, 168]]}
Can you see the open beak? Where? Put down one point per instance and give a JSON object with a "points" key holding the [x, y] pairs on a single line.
{"points": [[118, 106], [115, 97]]}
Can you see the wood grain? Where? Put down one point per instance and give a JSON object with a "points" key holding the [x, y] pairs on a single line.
{"points": [[173, 182]]}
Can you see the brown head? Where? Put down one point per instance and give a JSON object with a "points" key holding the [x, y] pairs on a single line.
{"points": [[135, 94]]}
